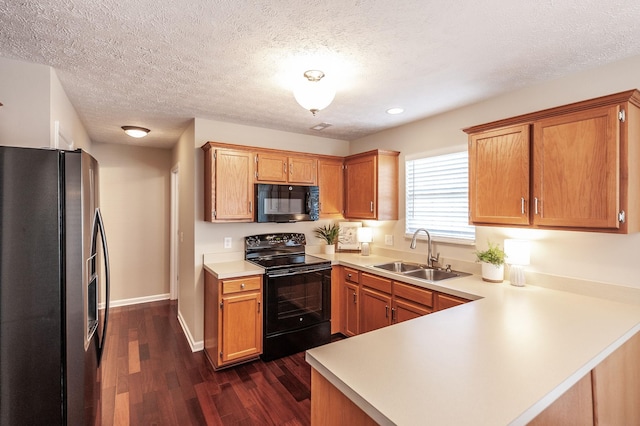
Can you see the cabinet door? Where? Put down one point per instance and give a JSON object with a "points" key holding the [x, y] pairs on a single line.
{"points": [[375, 310], [360, 187], [404, 310], [349, 309], [499, 176], [271, 167], [241, 326], [446, 301], [302, 170], [577, 169], [331, 184], [233, 185]]}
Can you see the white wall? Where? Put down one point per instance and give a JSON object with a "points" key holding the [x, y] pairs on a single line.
{"points": [[24, 92], [587, 256], [135, 197], [70, 127]]}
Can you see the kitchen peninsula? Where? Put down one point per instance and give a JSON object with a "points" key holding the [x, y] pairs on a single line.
{"points": [[501, 359]]}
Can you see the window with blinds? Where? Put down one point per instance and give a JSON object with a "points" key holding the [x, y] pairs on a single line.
{"points": [[438, 197]]}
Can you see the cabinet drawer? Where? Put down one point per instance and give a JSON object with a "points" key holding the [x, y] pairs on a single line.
{"points": [[236, 285], [352, 275], [379, 283], [414, 294]]}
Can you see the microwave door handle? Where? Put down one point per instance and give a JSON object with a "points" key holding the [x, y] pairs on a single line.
{"points": [[98, 226]]}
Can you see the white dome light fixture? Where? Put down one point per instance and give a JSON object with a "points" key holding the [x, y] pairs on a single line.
{"points": [[314, 93], [135, 131]]}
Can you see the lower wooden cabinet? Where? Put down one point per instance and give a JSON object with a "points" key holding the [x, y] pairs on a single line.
{"points": [[232, 319], [446, 301], [375, 309], [350, 279], [410, 302]]}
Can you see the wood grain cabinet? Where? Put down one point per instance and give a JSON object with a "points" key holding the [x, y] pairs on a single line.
{"points": [[499, 176], [232, 319], [446, 301], [350, 301], [228, 183], [331, 183], [410, 302], [371, 185], [572, 167], [282, 168], [375, 302]]}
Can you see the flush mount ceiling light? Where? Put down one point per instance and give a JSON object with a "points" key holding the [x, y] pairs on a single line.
{"points": [[394, 111], [135, 131], [314, 93]]}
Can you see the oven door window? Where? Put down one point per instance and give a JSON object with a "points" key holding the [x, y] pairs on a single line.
{"points": [[297, 301]]}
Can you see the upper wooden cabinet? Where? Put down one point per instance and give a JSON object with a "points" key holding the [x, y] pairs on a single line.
{"points": [[228, 183], [371, 185], [571, 167], [331, 183], [282, 168], [499, 176]]}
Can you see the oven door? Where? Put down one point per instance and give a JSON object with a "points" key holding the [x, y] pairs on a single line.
{"points": [[296, 299]]}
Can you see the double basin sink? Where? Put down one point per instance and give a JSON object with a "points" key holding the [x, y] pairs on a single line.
{"points": [[422, 272]]}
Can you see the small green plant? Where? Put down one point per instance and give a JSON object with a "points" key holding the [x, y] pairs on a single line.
{"points": [[494, 255], [329, 233]]}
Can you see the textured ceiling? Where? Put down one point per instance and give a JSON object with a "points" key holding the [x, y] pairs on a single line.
{"points": [[159, 63]]}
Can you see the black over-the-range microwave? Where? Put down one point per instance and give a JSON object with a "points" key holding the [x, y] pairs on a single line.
{"points": [[287, 203]]}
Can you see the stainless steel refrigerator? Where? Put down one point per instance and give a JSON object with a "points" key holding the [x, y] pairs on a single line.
{"points": [[54, 288]]}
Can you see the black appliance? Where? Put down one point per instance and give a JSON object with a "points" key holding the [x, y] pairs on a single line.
{"points": [[287, 203], [53, 258], [296, 294]]}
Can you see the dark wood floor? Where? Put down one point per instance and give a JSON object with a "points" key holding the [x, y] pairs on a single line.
{"points": [[151, 377]]}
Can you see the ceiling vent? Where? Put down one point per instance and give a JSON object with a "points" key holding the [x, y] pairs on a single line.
{"points": [[320, 127]]}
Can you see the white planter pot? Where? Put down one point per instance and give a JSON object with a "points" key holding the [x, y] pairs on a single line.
{"points": [[330, 249], [492, 273]]}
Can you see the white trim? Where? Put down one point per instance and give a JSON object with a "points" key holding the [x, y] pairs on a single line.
{"points": [[135, 300], [195, 345], [174, 240]]}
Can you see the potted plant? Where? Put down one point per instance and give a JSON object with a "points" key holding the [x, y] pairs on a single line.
{"points": [[328, 233], [492, 260]]}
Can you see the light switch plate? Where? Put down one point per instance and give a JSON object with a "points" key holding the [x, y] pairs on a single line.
{"points": [[227, 242], [388, 240]]}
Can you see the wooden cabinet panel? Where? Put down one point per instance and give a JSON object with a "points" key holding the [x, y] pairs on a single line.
{"points": [[404, 310], [349, 309], [352, 275], [415, 294], [331, 184], [582, 164], [228, 181], [499, 176], [282, 168], [241, 326], [272, 167], [445, 301], [576, 169], [375, 310], [371, 185], [376, 282], [232, 319], [303, 170]]}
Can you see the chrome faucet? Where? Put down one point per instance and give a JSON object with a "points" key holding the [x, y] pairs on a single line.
{"points": [[430, 258]]}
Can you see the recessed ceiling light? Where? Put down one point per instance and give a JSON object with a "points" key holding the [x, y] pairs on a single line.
{"points": [[394, 111], [135, 131]]}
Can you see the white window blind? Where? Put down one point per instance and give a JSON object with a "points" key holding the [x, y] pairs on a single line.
{"points": [[438, 197]]}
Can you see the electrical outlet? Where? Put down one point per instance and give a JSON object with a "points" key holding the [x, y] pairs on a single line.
{"points": [[388, 240], [227, 242]]}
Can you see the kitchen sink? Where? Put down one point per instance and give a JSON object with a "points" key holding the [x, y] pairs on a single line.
{"points": [[433, 274], [400, 267], [422, 272]]}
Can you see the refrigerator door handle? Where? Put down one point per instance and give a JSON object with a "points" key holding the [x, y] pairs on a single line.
{"points": [[98, 226]]}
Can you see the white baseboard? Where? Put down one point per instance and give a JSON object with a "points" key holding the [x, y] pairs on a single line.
{"points": [[195, 345], [135, 300]]}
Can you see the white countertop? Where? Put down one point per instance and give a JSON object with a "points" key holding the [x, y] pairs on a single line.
{"points": [[498, 360], [235, 268]]}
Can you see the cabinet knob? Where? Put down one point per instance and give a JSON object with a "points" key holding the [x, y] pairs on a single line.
{"points": [[242, 285], [349, 275]]}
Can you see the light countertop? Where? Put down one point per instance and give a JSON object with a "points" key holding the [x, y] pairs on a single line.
{"points": [[498, 360]]}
